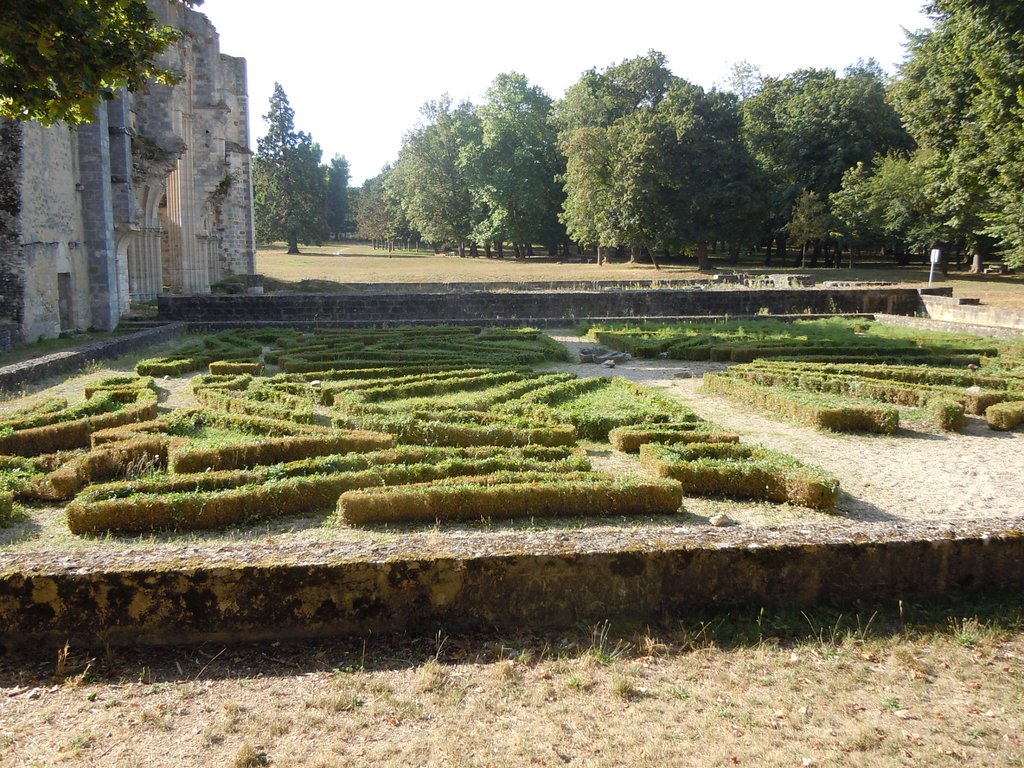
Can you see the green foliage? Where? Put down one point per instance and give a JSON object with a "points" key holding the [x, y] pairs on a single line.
{"points": [[742, 472], [808, 128], [59, 60], [431, 179], [514, 166], [960, 93], [654, 162], [289, 189]]}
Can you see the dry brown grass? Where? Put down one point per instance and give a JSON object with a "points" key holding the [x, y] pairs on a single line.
{"points": [[834, 694], [359, 263]]}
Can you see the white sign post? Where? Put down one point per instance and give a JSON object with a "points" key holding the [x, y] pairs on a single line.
{"points": [[936, 255]]}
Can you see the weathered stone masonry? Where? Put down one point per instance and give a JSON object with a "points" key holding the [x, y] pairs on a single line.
{"points": [[153, 196]]}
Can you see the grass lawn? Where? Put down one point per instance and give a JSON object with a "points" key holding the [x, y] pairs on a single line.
{"points": [[348, 262]]}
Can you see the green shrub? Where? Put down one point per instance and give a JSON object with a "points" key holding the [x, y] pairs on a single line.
{"points": [[276, 450], [505, 496], [742, 472], [629, 439], [1005, 416], [947, 414]]}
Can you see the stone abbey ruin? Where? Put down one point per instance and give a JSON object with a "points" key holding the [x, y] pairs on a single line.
{"points": [[153, 196]]}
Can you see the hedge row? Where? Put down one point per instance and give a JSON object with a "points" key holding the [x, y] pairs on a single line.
{"points": [[471, 460], [820, 411], [911, 374], [196, 355], [101, 464], [275, 450], [509, 496], [1004, 416], [103, 403], [69, 435], [742, 472], [972, 400], [629, 439], [208, 504], [232, 367], [451, 433], [218, 401]]}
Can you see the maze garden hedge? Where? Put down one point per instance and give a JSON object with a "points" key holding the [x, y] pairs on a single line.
{"points": [[845, 375], [413, 426]]}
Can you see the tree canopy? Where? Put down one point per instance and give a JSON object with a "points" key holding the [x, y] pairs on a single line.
{"points": [[289, 188], [60, 59]]}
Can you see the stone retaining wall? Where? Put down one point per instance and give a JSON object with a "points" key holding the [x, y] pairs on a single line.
{"points": [[18, 375], [948, 309], [236, 600], [533, 307]]}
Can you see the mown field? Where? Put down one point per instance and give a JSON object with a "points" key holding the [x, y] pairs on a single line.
{"points": [[359, 263]]}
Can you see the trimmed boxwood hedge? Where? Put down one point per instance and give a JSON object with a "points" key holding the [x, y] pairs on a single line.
{"points": [[511, 496], [833, 413], [742, 472]]}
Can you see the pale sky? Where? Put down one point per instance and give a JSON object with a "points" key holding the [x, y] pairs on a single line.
{"points": [[357, 73]]}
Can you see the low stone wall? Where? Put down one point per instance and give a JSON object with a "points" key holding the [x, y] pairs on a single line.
{"points": [[969, 312], [533, 307], [18, 375], [316, 592]]}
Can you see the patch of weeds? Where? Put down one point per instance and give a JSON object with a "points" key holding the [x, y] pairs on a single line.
{"points": [[601, 647], [432, 677], [968, 632], [80, 742], [891, 703], [250, 757], [625, 688]]}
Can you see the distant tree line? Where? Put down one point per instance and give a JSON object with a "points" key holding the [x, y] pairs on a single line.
{"points": [[637, 161]]}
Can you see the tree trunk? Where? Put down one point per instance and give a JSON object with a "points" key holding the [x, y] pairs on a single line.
{"points": [[768, 253], [529, 249], [599, 262], [487, 250], [802, 263], [500, 247], [703, 260], [734, 255], [473, 251], [293, 242], [976, 263], [654, 259], [632, 254]]}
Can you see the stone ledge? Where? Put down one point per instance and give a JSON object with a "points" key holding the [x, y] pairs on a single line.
{"points": [[18, 375], [314, 590]]}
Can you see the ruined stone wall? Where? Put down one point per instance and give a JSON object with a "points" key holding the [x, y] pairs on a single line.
{"points": [[154, 194], [533, 308], [11, 268], [54, 259], [193, 146]]}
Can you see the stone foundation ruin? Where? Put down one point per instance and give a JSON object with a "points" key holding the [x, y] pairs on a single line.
{"points": [[152, 197]]}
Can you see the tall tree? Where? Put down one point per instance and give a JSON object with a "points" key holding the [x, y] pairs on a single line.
{"points": [[961, 94], [808, 128], [600, 117], [513, 168], [289, 195], [59, 60], [430, 178], [718, 188], [337, 196]]}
